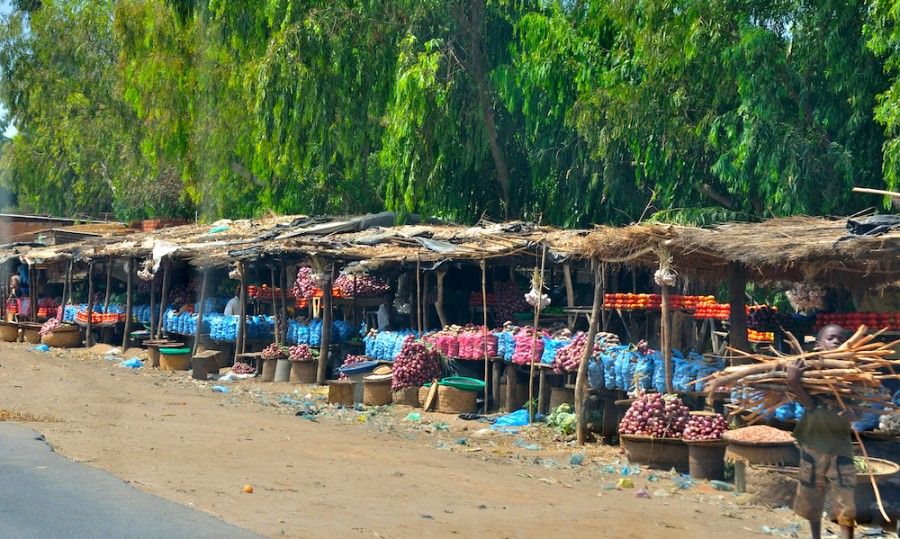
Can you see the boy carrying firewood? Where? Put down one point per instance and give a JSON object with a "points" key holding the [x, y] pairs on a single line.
{"points": [[826, 454]]}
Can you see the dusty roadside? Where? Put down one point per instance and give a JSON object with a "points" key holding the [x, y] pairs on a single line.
{"points": [[347, 473]]}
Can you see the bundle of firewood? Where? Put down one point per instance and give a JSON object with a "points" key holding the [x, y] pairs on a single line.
{"points": [[848, 377]]}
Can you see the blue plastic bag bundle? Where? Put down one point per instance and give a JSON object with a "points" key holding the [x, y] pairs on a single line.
{"points": [[707, 368], [223, 328], [506, 345], [595, 373], [511, 422], [659, 371], [625, 367], [785, 412], [551, 346], [314, 332], [608, 360], [644, 369], [799, 410], [868, 421], [683, 371]]}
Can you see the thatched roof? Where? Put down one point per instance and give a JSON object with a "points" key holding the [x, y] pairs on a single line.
{"points": [[789, 249], [786, 249]]}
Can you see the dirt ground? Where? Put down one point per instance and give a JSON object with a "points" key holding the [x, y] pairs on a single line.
{"points": [[347, 473]]}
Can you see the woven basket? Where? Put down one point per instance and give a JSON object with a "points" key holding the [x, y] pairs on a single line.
{"points": [[408, 396], [175, 362], [784, 454], [376, 392], [341, 392], [9, 332], [268, 370], [68, 338], [31, 333], [706, 459], [303, 372], [662, 453], [455, 401]]}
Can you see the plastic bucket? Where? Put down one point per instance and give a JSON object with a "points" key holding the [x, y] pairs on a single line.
{"points": [[175, 359], [283, 370]]}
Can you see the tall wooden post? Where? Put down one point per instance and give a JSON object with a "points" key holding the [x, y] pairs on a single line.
{"points": [[62, 301], [665, 324], [325, 341], [153, 307], [198, 335], [737, 325], [89, 337], [537, 319], [484, 331], [129, 286], [283, 296], [570, 294], [439, 302], [242, 322], [242, 310], [581, 378], [109, 264], [419, 294], [163, 298], [32, 292], [276, 333], [69, 279]]}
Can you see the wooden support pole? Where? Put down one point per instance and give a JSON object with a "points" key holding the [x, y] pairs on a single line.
{"points": [[537, 318], [605, 314], [69, 278], [581, 378], [322, 373], [242, 322], [439, 302], [276, 333], [198, 335], [242, 306], [88, 339], [425, 280], [737, 320], [129, 302], [495, 383], [109, 264], [153, 307], [283, 297], [32, 292], [664, 319], [484, 332], [62, 313], [419, 294], [570, 294], [163, 298]]}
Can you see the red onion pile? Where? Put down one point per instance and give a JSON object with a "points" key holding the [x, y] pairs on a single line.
{"points": [[705, 427], [305, 285], [274, 351], [242, 368], [366, 286], [656, 415], [301, 352], [415, 365], [508, 300], [569, 356]]}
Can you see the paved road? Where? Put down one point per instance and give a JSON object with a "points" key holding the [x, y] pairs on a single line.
{"points": [[43, 494]]}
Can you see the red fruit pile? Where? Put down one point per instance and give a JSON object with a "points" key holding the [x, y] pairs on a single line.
{"points": [[705, 427], [656, 415]]}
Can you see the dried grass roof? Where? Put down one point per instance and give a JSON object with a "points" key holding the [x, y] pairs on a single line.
{"points": [[789, 249]]}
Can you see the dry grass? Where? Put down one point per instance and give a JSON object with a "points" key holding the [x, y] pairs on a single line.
{"points": [[25, 417]]}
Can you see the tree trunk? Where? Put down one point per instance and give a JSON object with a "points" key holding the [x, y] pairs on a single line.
{"points": [[581, 379], [129, 290], [737, 326]]}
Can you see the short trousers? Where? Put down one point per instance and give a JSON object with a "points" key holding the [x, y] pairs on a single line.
{"points": [[821, 474]]}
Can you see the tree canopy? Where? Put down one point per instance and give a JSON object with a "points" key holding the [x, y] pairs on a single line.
{"points": [[569, 112]]}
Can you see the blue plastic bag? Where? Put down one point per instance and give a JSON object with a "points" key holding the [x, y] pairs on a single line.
{"points": [[511, 422], [133, 363]]}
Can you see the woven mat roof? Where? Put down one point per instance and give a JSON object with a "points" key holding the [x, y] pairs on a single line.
{"points": [[788, 249]]}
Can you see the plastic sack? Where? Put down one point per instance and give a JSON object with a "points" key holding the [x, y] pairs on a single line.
{"points": [[511, 422], [785, 412], [644, 371], [595, 374]]}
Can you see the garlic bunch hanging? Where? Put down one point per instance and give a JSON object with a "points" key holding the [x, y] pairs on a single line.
{"points": [[146, 271], [534, 297], [806, 298]]}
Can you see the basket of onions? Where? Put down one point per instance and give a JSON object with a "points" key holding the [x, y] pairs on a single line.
{"points": [[303, 364], [416, 364], [651, 430], [706, 448]]}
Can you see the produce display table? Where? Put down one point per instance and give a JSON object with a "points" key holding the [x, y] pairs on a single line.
{"points": [[251, 358]]}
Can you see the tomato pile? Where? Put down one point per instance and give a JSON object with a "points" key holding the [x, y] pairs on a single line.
{"points": [[875, 321]]}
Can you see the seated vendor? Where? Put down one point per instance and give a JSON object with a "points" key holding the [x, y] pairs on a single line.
{"points": [[233, 307]]}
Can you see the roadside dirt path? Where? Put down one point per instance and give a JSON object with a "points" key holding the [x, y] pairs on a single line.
{"points": [[183, 442]]}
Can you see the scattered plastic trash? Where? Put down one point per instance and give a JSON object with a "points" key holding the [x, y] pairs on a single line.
{"points": [[609, 469], [660, 493], [791, 530], [462, 441], [525, 445], [414, 417], [626, 471], [652, 478], [40, 348], [721, 485], [609, 486], [641, 493], [442, 446], [218, 229], [625, 483], [221, 389], [683, 482], [577, 459], [441, 426], [133, 363], [511, 422]]}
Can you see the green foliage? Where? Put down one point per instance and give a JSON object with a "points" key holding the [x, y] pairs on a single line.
{"points": [[567, 112]]}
